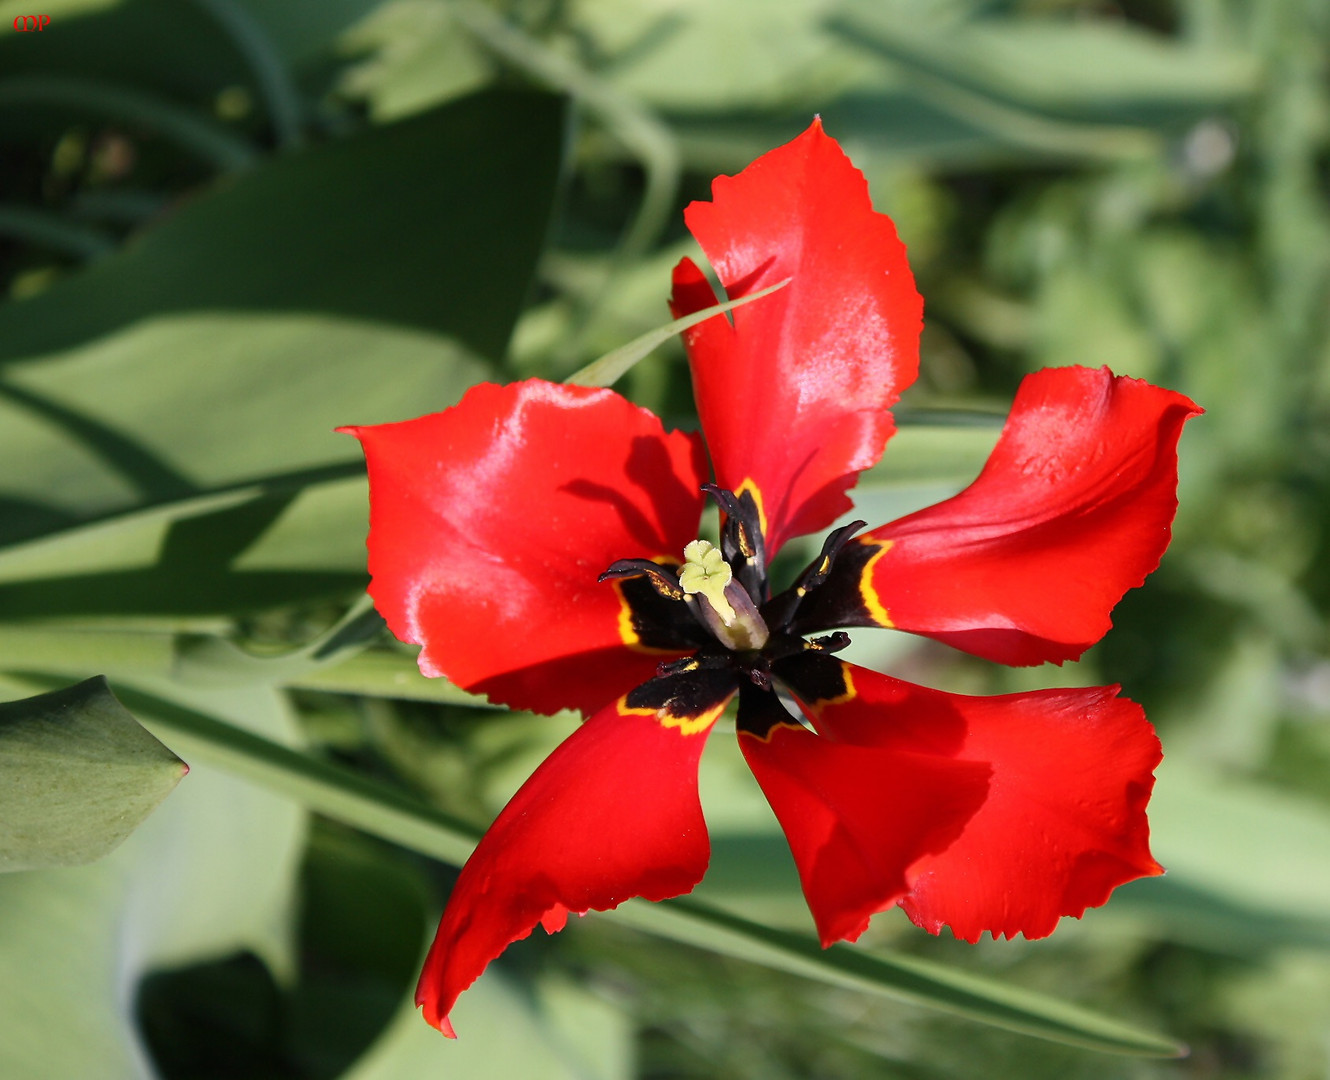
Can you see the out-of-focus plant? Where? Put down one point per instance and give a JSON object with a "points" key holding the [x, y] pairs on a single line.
{"points": [[228, 225]]}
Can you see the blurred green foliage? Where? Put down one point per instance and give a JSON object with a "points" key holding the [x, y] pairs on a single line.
{"points": [[227, 226]]}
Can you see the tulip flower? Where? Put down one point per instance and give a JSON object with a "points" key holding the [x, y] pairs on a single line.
{"points": [[541, 543]]}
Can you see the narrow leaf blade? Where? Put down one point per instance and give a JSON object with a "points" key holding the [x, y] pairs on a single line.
{"points": [[615, 364], [393, 815], [904, 978]]}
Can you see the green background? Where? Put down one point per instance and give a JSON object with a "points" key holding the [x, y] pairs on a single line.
{"points": [[228, 226]]}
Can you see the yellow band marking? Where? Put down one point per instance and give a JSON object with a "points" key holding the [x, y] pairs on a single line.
{"points": [[872, 602], [752, 490], [781, 725], [627, 632], [687, 725], [848, 694]]}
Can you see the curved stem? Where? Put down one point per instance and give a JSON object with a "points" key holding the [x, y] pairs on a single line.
{"points": [[186, 127], [53, 232], [278, 89]]}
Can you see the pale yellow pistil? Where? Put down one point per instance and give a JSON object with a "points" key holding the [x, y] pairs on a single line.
{"points": [[726, 607], [706, 572]]}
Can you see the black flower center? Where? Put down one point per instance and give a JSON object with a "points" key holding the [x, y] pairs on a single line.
{"points": [[718, 605]]}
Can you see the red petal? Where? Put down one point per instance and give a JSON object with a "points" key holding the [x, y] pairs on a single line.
{"points": [[794, 397], [1073, 508], [859, 816], [490, 522], [1064, 820], [612, 813]]}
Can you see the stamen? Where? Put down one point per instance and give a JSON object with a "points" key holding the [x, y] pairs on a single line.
{"points": [[741, 539], [779, 611], [736, 522], [661, 579]]}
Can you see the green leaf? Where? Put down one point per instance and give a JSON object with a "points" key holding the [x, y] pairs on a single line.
{"points": [[212, 872], [73, 652], [195, 660], [394, 815], [218, 661], [178, 58], [1098, 69], [385, 673], [609, 368], [931, 457], [417, 55], [1247, 844], [103, 101], [228, 448], [905, 978], [78, 774], [746, 56], [329, 789], [244, 390], [434, 222], [507, 1033]]}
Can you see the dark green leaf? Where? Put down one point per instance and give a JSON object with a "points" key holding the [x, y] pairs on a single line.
{"points": [[436, 222]]}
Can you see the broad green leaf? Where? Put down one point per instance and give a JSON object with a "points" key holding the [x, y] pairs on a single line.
{"points": [[607, 370], [507, 1033], [241, 395], [59, 943], [434, 222], [195, 659], [210, 873], [124, 540], [392, 814], [1246, 842], [78, 774], [254, 413], [73, 652], [1099, 69], [179, 58], [1246, 865]]}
